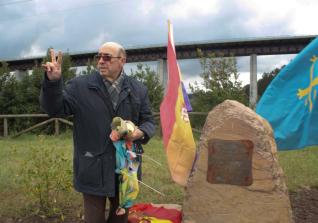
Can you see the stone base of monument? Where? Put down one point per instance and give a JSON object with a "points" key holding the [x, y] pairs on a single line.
{"points": [[237, 178]]}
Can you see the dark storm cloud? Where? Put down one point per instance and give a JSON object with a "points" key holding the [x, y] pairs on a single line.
{"points": [[30, 28], [15, 32], [71, 29], [76, 26]]}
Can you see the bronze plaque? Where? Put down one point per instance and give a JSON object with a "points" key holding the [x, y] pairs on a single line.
{"points": [[230, 162]]}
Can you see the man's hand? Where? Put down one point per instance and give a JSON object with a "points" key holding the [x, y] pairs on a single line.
{"points": [[53, 69], [137, 134]]}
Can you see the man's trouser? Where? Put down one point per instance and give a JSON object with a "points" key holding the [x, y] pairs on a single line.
{"points": [[94, 210]]}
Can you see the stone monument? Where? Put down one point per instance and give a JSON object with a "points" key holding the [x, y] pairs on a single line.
{"points": [[237, 178]]}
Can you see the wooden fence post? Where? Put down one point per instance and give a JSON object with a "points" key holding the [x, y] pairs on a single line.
{"points": [[57, 127], [5, 127]]}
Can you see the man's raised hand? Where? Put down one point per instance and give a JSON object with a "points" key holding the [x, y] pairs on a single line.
{"points": [[54, 68]]}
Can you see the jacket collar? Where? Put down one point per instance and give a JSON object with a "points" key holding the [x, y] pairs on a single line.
{"points": [[125, 84], [95, 80]]}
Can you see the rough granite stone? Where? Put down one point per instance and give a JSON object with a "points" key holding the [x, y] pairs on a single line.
{"points": [[253, 192]]}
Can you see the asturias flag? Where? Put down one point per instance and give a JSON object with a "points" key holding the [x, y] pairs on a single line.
{"points": [[176, 129], [290, 101]]}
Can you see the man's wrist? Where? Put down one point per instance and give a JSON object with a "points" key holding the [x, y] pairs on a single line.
{"points": [[141, 134]]}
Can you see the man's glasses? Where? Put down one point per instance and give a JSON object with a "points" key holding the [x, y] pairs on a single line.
{"points": [[106, 57]]}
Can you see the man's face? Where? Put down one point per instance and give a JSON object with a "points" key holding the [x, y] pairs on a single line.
{"points": [[110, 62]]}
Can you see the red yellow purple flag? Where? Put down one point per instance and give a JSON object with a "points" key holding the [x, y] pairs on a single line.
{"points": [[176, 129]]}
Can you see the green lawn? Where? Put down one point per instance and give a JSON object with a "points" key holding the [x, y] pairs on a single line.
{"points": [[29, 157], [300, 167], [16, 167]]}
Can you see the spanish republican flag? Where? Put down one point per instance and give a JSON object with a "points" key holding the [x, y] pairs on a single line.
{"points": [[176, 129]]}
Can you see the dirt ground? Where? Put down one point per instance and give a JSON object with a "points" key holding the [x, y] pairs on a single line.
{"points": [[304, 204]]}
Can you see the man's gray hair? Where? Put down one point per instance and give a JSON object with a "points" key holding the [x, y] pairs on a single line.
{"points": [[121, 51]]}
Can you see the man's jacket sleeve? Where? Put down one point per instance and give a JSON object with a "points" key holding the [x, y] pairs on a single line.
{"points": [[146, 121], [55, 101]]}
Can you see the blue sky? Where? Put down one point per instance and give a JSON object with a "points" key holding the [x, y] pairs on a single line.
{"points": [[29, 27]]}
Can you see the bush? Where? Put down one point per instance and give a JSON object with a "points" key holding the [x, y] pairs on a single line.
{"points": [[45, 175]]}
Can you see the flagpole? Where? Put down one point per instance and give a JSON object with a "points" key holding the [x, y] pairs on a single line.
{"points": [[151, 188], [148, 157], [142, 183]]}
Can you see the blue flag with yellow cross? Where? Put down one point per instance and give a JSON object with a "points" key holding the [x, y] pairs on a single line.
{"points": [[289, 103]]}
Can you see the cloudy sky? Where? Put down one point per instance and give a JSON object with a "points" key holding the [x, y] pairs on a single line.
{"points": [[29, 27]]}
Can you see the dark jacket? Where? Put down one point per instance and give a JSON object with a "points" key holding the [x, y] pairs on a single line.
{"points": [[87, 98]]}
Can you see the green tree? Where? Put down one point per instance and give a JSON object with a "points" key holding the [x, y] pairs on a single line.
{"points": [[8, 88], [263, 83], [220, 81], [9, 102], [4, 74], [22, 97], [4, 77], [150, 79], [90, 67], [266, 80], [67, 70], [26, 103], [29, 89]]}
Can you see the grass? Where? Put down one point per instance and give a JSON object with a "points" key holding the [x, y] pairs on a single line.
{"points": [[300, 168], [158, 176], [13, 153]]}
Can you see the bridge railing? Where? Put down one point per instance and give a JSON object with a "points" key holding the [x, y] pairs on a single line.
{"points": [[57, 122]]}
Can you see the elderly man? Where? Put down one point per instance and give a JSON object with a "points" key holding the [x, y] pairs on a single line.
{"points": [[94, 100]]}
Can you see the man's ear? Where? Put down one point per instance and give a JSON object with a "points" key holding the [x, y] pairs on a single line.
{"points": [[123, 60]]}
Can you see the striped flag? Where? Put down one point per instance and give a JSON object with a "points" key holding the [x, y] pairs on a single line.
{"points": [[176, 129]]}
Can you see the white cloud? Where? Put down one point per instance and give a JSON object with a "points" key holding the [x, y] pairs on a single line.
{"points": [[192, 80], [264, 14], [189, 9], [303, 19], [297, 16], [270, 62], [269, 9], [33, 51], [98, 41], [87, 24], [51, 7], [244, 77], [146, 6], [264, 63]]}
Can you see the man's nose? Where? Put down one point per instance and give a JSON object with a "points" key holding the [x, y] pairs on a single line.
{"points": [[101, 60]]}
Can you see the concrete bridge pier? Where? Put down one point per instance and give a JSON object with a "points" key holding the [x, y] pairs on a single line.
{"points": [[162, 72], [253, 81], [163, 77]]}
